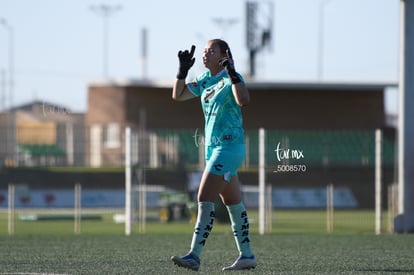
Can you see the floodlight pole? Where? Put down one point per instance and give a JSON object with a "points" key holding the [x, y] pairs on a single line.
{"points": [[404, 222], [10, 31], [321, 37], [252, 58], [253, 45], [105, 11], [3, 89], [11, 136]]}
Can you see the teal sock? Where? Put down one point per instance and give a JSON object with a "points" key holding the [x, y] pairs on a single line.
{"points": [[240, 226], [203, 226]]}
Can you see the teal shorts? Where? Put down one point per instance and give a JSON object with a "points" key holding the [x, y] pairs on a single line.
{"points": [[225, 160]]}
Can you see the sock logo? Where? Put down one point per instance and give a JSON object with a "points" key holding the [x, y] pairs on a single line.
{"points": [[245, 227], [246, 240], [206, 229]]}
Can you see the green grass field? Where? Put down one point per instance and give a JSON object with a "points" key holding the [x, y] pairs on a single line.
{"points": [[283, 221], [298, 244]]}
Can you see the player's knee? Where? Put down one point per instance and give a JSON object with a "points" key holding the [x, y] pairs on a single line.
{"points": [[230, 200], [206, 197]]}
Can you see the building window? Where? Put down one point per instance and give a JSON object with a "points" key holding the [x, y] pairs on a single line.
{"points": [[112, 136]]}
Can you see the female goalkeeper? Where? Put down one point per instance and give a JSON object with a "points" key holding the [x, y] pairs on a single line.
{"points": [[222, 92]]}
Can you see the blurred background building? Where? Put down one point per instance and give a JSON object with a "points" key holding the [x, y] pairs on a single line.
{"points": [[41, 134]]}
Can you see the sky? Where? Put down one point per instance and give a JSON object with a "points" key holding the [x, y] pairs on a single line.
{"points": [[58, 44]]}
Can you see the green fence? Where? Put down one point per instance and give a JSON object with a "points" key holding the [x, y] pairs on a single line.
{"points": [[341, 147]]}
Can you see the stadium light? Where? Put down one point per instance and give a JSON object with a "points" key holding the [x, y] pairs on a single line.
{"points": [[105, 11], [225, 24], [259, 29]]}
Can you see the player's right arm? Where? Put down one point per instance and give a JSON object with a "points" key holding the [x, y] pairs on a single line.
{"points": [[180, 91], [186, 61]]}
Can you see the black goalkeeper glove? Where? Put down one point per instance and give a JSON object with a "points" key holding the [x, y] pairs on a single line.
{"points": [[186, 62], [228, 64]]}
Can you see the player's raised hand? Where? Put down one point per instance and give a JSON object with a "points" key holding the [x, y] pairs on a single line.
{"points": [[186, 59], [228, 64]]}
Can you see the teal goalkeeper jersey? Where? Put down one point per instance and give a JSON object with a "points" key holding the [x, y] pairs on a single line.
{"points": [[223, 118]]}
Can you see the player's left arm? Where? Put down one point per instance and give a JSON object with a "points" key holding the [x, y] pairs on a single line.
{"points": [[240, 91]]}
